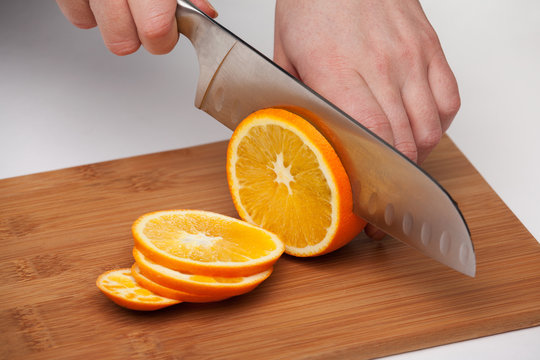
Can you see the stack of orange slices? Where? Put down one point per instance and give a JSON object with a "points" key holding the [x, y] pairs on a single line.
{"points": [[293, 195], [191, 256]]}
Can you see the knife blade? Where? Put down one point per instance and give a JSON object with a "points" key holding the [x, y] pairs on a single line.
{"points": [[389, 191]]}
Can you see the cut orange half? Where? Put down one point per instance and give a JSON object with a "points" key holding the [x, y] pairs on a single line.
{"points": [[120, 286], [285, 177], [205, 243], [197, 284], [168, 292]]}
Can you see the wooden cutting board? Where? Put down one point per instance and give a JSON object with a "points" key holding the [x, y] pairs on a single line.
{"points": [[59, 230]]}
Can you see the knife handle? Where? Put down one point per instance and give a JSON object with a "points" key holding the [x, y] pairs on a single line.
{"points": [[189, 19], [211, 43]]}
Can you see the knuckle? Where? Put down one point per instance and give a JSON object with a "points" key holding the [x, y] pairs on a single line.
{"points": [[430, 37], [416, 46], [123, 47], [408, 54], [156, 27], [444, 87], [410, 50], [382, 64], [425, 38], [450, 105], [430, 139], [412, 54]]}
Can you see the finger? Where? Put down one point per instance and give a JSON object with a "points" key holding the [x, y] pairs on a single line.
{"points": [[205, 7], [373, 232], [381, 75], [156, 24], [390, 99], [422, 112], [116, 26], [444, 88], [78, 12]]}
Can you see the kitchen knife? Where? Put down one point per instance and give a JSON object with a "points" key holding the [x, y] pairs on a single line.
{"points": [[389, 191]]}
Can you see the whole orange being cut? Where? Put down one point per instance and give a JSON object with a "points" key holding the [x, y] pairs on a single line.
{"points": [[285, 177]]}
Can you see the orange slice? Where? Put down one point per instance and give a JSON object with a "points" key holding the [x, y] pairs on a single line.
{"points": [[168, 292], [285, 177], [197, 284], [119, 286], [205, 243]]}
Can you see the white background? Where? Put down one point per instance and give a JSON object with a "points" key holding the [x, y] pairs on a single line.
{"points": [[65, 101]]}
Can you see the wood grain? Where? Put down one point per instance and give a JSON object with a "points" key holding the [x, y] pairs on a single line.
{"points": [[59, 230]]}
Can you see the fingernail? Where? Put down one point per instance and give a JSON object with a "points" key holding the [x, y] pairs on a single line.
{"points": [[214, 11]]}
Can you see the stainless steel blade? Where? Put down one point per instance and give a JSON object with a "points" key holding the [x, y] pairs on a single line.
{"points": [[389, 191]]}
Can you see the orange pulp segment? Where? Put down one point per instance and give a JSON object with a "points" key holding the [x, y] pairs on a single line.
{"points": [[120, 286]]}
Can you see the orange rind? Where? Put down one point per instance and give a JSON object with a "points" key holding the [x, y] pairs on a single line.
{"points": [[122, 288]]}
